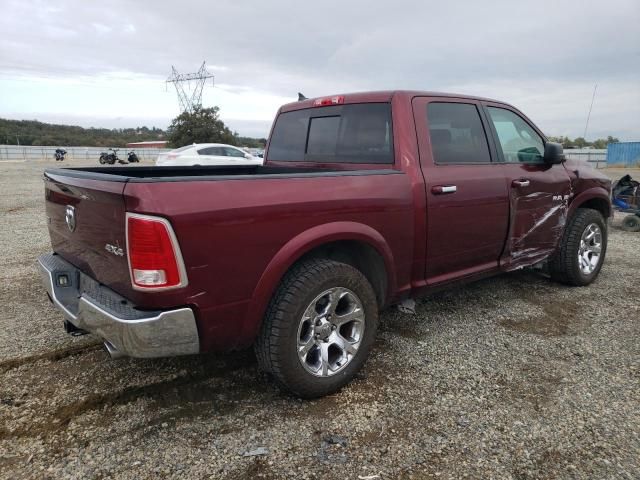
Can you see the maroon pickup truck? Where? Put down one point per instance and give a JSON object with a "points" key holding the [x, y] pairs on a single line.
{"points": [[364, 199]]}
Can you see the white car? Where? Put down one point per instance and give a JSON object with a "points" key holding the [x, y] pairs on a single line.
{"points": [[207, 154]]}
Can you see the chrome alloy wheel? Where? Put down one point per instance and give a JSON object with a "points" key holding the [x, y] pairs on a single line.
{"points": [[330, 332], [590, 249]]}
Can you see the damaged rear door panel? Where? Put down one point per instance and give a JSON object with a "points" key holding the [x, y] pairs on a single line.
{"points": [[539, 192]]}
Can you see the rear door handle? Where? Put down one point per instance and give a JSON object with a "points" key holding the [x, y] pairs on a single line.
{"points": [[523, 182], [442, 189]]}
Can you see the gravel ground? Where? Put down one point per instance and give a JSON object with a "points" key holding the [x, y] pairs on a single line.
{"points": [[512, 377]]}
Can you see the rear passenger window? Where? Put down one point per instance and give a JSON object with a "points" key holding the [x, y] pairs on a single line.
{"points": [[457, 135], [358, 133]]}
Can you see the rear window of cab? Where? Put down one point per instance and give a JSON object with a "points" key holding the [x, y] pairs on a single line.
{"points": [[355, 133]]}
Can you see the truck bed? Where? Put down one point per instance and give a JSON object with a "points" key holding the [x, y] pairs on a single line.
{"points": [[230, 223], [169, 174]]}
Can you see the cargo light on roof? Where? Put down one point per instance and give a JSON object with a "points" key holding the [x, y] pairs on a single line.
{"points": [[321, 102]]}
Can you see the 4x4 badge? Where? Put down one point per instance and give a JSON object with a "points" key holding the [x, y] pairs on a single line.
{"points": [[114, 249]]}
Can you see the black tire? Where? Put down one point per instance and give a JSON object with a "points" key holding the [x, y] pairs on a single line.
{"points": [[277, 344], [631, 223], [564, 265]]}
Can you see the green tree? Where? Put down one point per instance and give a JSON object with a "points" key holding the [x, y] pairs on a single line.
{"points": [[203, 125], [580, 142]]}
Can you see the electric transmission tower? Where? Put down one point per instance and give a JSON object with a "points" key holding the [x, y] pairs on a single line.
{"points": [[189, 86]]}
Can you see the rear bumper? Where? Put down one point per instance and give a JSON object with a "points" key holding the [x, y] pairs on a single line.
{"points": [[125, 329]]}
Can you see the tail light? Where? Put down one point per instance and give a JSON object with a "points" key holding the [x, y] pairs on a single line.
{"points": [[155, 261]]}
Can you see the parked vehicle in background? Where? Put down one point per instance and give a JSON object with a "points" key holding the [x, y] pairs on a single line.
{"points": [[59, 154], [257, 152], [201, 154], [110, 157], [132, 157], [364, 199]]}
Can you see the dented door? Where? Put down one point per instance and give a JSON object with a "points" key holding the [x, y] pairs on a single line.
{"points": [[539, 192], [539, 200]]}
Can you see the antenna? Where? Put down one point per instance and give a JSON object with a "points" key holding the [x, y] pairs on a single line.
{"points": [[189, 86], [589, 115]]}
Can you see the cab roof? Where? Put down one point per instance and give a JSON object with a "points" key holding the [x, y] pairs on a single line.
{"points": [[379, 96]]}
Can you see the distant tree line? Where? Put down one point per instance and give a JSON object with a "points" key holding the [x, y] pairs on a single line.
{"points": [[202, 126], [582, 143], [32, 132]]}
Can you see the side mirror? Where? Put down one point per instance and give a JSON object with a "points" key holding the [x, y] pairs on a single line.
{"points": [[553, 153], [246, 155]]}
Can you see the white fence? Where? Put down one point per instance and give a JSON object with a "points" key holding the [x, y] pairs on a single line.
{"points": [[18, 153], [596, 157]]}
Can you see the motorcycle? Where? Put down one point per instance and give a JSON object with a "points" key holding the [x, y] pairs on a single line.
{"points": [[59, 154], [132, 157], [110, 158]]}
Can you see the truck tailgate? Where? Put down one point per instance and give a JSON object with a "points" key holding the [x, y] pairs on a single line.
{"points": [[86, 220]]}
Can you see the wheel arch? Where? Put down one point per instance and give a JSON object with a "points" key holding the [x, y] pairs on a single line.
{"points": [[595, 198], [354, 243]]}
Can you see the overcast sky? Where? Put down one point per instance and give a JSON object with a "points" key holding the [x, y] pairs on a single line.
{"points": [[104, 63]]}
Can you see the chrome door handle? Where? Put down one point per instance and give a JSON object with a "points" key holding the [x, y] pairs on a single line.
{"points": [[441, 189], [521, 183]]}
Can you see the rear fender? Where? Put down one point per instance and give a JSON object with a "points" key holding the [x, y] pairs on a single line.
{"points": [[296, 248]]}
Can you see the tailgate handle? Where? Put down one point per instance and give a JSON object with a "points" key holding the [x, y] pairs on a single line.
{"points": [[523, 182], [442, 189]]}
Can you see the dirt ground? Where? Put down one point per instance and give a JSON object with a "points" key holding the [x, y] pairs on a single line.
{"points": [[512, 377]]}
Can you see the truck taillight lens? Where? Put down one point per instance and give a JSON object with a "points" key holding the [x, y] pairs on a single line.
{"points": [[155, 261]]}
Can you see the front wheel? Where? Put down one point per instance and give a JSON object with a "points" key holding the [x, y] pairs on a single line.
{"points": [[582, 249], [319, 328]]}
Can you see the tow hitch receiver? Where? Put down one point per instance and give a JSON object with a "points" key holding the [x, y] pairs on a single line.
{"points": [[74, 331]]}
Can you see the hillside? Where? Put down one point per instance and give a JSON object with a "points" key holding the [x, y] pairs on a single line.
{"points": [[32, 132]]}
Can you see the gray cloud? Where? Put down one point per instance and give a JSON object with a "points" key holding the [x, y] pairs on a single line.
{"points": [[511, 50]]}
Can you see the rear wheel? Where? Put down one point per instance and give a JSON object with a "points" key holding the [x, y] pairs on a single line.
{"points": [[319, 328], [582, 249]]}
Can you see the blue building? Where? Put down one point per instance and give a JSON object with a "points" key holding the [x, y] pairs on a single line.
{"points": [[624, 154]]}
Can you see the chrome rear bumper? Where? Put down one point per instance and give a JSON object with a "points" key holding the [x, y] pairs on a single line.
{"points": [[125, 330]]}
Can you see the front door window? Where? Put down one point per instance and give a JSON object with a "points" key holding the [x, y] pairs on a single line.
{"points": [[519, 142]]}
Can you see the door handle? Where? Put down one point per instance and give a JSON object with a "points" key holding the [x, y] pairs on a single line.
{"points": [[442, 189], [523, 182]]}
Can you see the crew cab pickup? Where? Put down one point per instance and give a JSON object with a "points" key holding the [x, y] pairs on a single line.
{"points": [[364, 199]]}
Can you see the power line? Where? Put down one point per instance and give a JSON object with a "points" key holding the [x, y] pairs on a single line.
{"points": [[589, 115], [189, 86]]}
